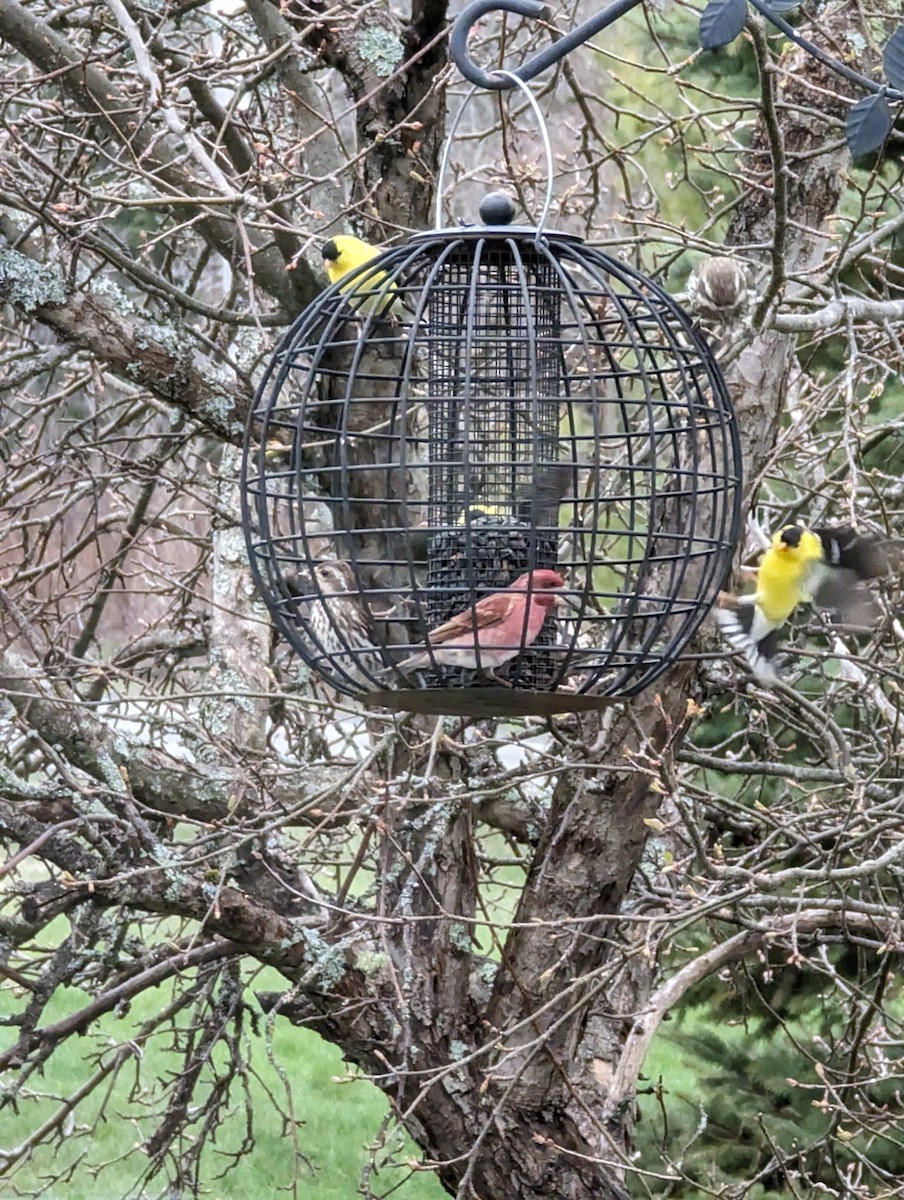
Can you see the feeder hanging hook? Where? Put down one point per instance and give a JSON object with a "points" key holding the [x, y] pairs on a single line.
{"points": [[464, 22]]}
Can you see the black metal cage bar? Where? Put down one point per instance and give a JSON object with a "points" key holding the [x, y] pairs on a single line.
{"points": [[513, 403]]}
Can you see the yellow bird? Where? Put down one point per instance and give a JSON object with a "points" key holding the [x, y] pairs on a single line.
{"points": [[370, 293], [826, 567], [485, 514]]}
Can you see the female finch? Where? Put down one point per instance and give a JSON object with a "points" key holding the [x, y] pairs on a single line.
{"points": [[718, 289], [493, 630], [338, 624]]}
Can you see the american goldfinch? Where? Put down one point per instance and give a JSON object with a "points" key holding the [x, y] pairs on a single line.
{"points": [[535, 504], [486, 514], [370, 293], [824, 566]]}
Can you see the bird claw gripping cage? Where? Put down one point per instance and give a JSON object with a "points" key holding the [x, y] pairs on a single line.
{"points": [[479, 404]]}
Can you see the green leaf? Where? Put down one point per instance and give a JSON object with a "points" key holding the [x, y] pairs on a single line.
{"points": [[721, 22], [868, 125], [893, 59]]}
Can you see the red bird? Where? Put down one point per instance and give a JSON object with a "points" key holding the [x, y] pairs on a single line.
{"points": [[498, 627]]}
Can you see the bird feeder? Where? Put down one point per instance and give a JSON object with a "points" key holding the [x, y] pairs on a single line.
{"points": [[474, 405]]}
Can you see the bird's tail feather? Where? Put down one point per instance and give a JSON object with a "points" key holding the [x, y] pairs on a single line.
{"points": [[737, 621]]}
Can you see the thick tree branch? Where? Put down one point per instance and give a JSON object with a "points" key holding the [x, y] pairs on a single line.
{"points": [[324, 154], [142, 352], [197, 792], [400, 120], [837, 313]]}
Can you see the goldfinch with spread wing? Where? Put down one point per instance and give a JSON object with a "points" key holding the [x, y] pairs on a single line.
{"points": [[826, 567], [371, 293]]}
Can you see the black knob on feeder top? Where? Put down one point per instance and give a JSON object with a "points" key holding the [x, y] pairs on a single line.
{"points": [[497, 208]]}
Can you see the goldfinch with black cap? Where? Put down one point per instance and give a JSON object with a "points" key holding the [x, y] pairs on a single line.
{"points": [[825, 567], [369, 292]]}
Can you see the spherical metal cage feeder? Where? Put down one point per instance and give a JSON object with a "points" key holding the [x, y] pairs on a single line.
{"points": [[475, 405]]}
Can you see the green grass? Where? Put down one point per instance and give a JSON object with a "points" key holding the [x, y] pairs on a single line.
{"points": [[338, 1115]]}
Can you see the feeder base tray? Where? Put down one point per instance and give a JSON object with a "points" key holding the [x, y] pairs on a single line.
{"points": [[485, 702]]}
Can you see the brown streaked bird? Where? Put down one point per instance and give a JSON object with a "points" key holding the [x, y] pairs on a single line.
{"points": [[718, 289], [340, 625]]}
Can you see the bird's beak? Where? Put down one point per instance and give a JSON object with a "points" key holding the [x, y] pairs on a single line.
{"points": [[564, 600], [300, 582]]}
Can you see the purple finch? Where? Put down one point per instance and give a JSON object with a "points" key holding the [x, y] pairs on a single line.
{"points": [[494, 630]]}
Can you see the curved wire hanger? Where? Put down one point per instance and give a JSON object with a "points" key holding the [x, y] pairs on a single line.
{"points": [[502, 79]]}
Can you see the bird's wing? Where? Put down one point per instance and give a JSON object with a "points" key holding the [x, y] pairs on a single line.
{"points": [[463, 624], [843, 594], [743, 616], [746, 627], [865, 557], [540, 507], [851, 558]]}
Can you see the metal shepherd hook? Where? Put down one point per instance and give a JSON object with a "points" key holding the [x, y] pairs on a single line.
{"points": [[498, 81]]}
